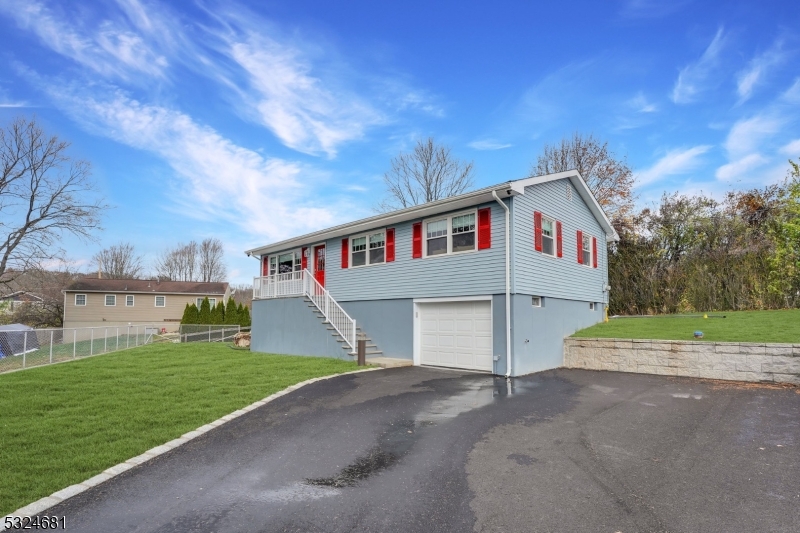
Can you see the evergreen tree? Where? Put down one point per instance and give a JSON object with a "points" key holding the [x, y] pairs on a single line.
{"points": [[186, 315], [218, 314], [205, 312], [244, 318], [195, 314], [231, 313]]}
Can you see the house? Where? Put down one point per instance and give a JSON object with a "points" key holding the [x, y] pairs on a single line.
{"points": [[12, 301], [491, 280], [93, 302]]}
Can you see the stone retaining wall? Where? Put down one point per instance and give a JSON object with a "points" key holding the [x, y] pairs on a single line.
{"points": [[738, 361]]}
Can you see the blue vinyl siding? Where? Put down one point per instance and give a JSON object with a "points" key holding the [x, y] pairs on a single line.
{"points": [[543, 275], [467, 274]]}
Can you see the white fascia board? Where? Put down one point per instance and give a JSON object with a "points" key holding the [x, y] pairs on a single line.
{"points": [[454, 203]]}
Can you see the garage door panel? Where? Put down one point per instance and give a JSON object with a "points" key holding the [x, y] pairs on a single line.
{"points": [[457, 334]]}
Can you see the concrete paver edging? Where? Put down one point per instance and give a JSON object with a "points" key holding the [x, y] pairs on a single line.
{"points": [[41, 505]]}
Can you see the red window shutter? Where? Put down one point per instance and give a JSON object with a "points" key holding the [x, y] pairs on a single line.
{"points": [[594, 252], [416, 241], [580, 247], [345, 250], [264, 265], [484, 228], [303, 258], [559, 240], [537, 231], [390, 245]]}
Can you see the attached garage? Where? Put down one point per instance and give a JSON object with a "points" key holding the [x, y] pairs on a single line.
{"points": [[455, 334]]}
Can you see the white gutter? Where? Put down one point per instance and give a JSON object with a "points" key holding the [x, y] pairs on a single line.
{"points": [[508, 286]]}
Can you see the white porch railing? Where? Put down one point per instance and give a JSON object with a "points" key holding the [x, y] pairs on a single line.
{"points": [[304, 284]]}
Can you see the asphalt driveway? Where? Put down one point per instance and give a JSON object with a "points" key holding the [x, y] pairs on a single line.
{"points": [[418, 449]]}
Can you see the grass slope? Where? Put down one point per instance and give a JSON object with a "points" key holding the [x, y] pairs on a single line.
{"points": [[62, 424], [740, 326]]}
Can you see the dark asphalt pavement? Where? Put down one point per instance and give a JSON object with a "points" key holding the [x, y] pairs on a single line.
{"points": [[424, 450]]}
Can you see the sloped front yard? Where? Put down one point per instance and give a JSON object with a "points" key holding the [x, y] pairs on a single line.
{"points": [[62, 424]]}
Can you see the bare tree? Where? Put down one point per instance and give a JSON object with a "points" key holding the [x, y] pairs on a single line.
{"points": [[610, 179], [44, 193], [243, 294], [426, 174], [48, 286], [179, 263], [211, 260], [119, 261]]}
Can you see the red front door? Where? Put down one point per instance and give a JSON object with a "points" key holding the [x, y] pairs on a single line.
{"points": [[319, 264]]}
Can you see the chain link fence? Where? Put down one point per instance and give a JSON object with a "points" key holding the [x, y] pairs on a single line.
{"points": [[26, 348], [209, 333]]}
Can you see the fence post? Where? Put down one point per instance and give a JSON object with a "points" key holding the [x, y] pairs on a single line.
{"points": [[91, 341], [128, 337], [24, 349], [51, 344], [209, 333], [117, 339], [105, 341], [74, 342]]}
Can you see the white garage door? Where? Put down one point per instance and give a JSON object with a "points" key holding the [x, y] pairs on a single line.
{"points": [[456, 334]]}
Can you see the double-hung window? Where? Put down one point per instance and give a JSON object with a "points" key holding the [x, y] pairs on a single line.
{"points": [[369, 249], [548, 236], [129, 300], [161, 301], [449, 235], [80, 299], [586, 250], [111, 300]]}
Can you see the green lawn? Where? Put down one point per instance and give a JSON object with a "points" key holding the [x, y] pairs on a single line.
{"points": [[62, 424], [740, 326]]}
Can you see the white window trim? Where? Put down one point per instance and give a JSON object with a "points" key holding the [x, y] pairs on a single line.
{"points": [[366, 235], [105, 300], [275, 257], [84, 300], [554, 237], [203, 298], [590, 264], [537, 302], [133, 300], [592, 306], [156, 301], [449, 219]]}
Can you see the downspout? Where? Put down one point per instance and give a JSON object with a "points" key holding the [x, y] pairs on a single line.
{"points": [[508, 286]]}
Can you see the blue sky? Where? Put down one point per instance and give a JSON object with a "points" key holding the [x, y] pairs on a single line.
{"points": [[257, 121]]}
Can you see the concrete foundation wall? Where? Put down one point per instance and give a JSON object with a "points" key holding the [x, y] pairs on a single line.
{"points": [[289, 326], [388, 323], [537, 333], [738, 361]]}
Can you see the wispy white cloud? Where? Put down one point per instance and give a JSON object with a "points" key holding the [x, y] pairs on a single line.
{"points": [[695, 78], [216, 178], [792, 148], [488, 144], [109, 47], [641, 104], [679, 161], [746, 135], [740, 167], [792, 94], [648, 9], [758, 68]]}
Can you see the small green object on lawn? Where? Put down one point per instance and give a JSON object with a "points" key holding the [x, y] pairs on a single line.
{"points": [[781, 326], [62, 424]]}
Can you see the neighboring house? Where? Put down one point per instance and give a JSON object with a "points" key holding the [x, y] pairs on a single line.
{"points": [[91, 302], [437, 284], [10, 302]]}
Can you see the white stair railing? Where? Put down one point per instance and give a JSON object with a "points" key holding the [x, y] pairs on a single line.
{"points": [[330, 308], [304, 284]]}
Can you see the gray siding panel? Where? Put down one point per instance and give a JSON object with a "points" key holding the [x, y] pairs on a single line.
{"points": [[543, 275], [466, 274], [544, 329]]}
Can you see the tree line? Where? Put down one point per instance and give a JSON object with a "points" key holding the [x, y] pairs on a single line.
{"points": [[220, 314]]}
